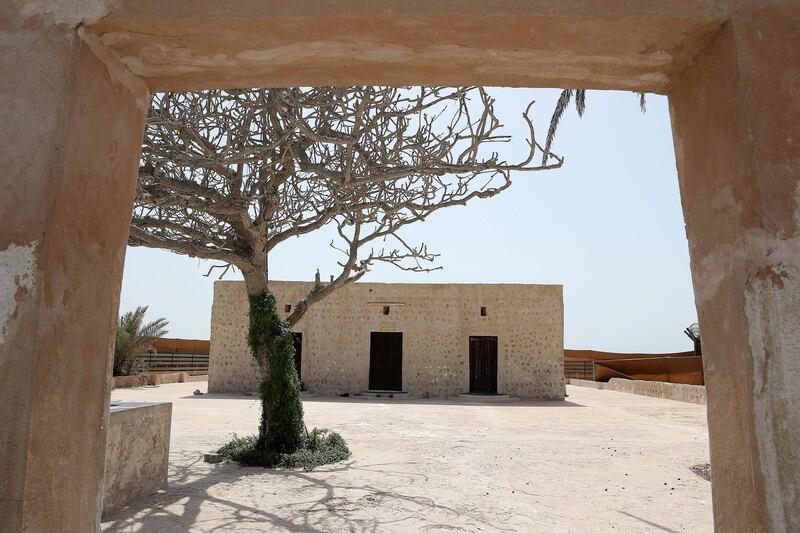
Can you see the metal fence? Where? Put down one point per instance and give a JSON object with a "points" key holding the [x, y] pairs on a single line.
{"points": [[175, 362], [579, 369]]}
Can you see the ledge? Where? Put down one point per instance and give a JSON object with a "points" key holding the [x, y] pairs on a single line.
{"points": [[655, 389]]}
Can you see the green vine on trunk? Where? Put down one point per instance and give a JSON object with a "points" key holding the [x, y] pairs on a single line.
{"points": [[282, 440], [270, 340]]}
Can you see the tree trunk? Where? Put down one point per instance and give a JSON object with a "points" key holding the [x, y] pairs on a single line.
{"points": [[255, 281], [256, 284], [270, 341]]}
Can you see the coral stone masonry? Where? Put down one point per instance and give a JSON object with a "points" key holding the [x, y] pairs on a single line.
{"points": [[424, 339], [137, 452]]}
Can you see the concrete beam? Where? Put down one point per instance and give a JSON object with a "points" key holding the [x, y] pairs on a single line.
{"points": [[570, 43]]}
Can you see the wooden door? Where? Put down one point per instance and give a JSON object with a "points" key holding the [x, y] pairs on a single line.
{"points": [[483, 365], [386, 361], [297, 339]]}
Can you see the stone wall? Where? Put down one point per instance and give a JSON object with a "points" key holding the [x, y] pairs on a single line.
{"points": [[137, 452], [157, 378], [436, 320]]}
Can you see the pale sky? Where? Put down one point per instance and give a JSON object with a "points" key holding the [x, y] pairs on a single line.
{"points": [[608, 226]]}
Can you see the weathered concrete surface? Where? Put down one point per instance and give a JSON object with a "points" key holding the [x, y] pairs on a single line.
{"points": [[655, 389], [69, 144], [598, 462], [137, 452], [623, 45], [436, 321], [735, 119]]}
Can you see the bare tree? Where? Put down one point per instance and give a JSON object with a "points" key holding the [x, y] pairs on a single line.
{"points": [[229, 175]]}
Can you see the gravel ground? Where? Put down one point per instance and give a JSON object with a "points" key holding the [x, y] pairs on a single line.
{"points": [[601, 461]]}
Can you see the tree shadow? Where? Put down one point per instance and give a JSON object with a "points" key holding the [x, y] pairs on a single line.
{"points": [[178, 507], [648, 522]]}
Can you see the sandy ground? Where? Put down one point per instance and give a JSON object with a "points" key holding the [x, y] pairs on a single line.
{"points": [[600, 461]]}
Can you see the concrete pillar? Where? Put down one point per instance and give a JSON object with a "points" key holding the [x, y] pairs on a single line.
{"points": [[736, 123], [70, 137]]}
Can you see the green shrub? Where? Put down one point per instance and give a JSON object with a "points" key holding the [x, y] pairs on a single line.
{"points": [[319, 447]]}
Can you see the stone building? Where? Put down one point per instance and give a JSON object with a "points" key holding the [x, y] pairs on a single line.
{"points": [[425, 339]]}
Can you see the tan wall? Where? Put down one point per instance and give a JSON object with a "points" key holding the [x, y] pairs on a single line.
{"points": [[137, 452], [657, 389], [436, 321], [157, 378]]}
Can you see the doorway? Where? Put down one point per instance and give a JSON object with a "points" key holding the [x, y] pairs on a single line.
{"points": [[297, 340], [483, 365], [386, 361]]}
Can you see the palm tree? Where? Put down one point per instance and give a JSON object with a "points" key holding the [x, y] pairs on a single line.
{"points": [[133, 338], [580, 106], [693, 332]]}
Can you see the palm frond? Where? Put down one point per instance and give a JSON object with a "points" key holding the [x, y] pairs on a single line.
{"points": [[561, 106], [134, 337], [580, 101], [580, 106], [154, 329], [133, 319]]}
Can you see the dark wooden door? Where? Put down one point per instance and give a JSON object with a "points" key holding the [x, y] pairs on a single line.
{"points": [[297, 338], [483, 365], [386, 361]]}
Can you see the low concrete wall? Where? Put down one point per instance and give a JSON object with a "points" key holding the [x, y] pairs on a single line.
{"points": [[156, 378], [656, 389], [660, 389], [137, 452], [586, 383]]}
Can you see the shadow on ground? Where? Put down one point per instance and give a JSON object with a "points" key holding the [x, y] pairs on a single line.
{"points": [[190, 490]]}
